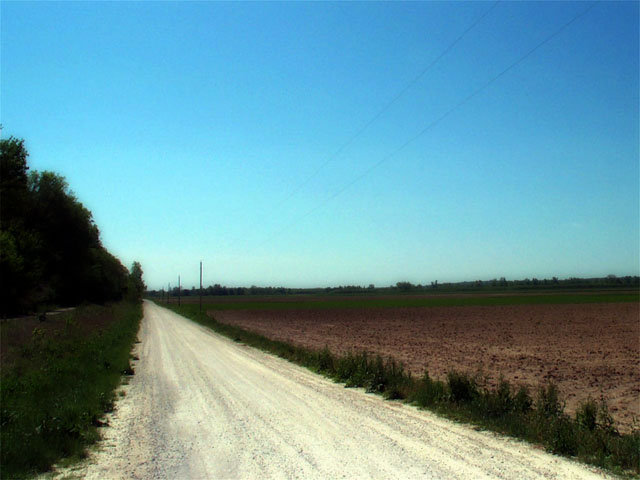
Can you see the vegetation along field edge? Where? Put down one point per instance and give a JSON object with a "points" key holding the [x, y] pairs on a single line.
{"points": [[324, 302], [590, 436]]}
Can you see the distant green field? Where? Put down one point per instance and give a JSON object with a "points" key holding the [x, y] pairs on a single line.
{"points": [[323, 302]]}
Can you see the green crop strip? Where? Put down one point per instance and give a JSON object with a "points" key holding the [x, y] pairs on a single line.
{"points": [[420, 301], [54, 394], [590, 436]]}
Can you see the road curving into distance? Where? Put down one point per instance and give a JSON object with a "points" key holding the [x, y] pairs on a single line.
{"points": [[201, 406]]}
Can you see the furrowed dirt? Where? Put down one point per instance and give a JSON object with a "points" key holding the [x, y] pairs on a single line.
{"points": [[586, 349]]}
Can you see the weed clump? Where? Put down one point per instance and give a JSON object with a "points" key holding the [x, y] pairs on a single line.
{"points": [[428, 392], [562, 439], [352, 369], [548, 403], [372, 373], [522, 402], [462, 387], [325, 361], [587, 415]]}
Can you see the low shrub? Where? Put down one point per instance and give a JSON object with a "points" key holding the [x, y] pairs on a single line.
{"points": [[372, 373], [587, 414], [498, 402], [398, 382], [548, 403], [353, 369], [428, 392], [325, 361], [462, 387], [563, 439], [522, 402]]}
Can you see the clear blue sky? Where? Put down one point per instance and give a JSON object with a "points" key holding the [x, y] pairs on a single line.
{"points": [[184, 127]]}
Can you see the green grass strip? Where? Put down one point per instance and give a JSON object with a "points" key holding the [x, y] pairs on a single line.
{"points": [[590, 436], [52, 399], [286, 303]]}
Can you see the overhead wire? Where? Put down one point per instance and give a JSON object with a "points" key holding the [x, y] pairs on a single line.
{"points": [[388, 105], [434, 122], [384, 108]]}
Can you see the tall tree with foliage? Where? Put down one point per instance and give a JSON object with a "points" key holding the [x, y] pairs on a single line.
{"points": [[19, 245], [50, 248], [136, 284]]}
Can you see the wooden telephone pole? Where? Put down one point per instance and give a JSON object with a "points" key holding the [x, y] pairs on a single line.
{"points": [[200, 286], [179, 290]]}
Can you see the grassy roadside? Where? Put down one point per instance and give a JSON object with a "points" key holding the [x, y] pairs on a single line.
{"points": [[590, 436], [59, 383]]}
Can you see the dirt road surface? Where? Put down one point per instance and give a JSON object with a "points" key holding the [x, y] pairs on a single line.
{"points": [[585, 349], [201, 406]]}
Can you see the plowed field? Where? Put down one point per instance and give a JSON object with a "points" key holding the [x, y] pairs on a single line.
{"points": [[586, 349]]}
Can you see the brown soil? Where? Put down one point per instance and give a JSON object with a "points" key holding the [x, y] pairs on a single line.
{"points": [[586, 349]]}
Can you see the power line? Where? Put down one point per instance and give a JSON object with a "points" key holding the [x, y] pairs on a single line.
{"points": [[388, 105], [435, 122], [384, 109]]}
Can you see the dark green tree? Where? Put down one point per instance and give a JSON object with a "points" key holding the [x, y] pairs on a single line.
{"points": [[136, 284], [70, 235], [13, 181], [20, 267], [50, 249], [404, 286]]}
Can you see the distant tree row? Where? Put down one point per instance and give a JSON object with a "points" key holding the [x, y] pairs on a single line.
{"points": [[50, 248], [220, 290], [502, 284], [610, 281]]}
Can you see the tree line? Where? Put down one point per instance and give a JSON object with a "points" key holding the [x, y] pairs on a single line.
{"points": [[498, 285], [221, 290], [50, 248], [502, 284]]}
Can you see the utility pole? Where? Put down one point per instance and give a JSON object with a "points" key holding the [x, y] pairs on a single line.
{"points": [[179, 290], [168, 291], [200, 286]]}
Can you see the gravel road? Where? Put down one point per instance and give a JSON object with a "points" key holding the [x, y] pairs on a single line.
{"points": [[201, 406]]}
